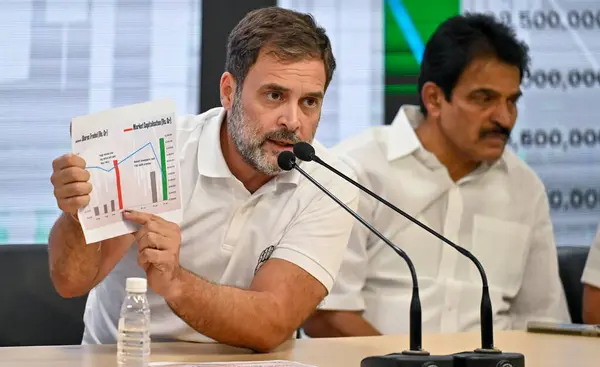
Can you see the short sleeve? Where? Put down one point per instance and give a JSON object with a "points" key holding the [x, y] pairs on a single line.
{"points": [[317, 239], [591, 272]]}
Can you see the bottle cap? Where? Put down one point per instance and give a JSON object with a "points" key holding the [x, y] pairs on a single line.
{"points": [[136, 285]]}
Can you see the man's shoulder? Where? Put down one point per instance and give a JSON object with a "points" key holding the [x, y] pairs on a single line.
{"points": [[188, 123], [330, 180], [332, 158], [190, 129], [365, 150], [373, 139]]}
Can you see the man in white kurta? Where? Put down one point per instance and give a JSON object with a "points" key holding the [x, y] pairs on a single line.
{"points": [[499, 212], [445, 162]]}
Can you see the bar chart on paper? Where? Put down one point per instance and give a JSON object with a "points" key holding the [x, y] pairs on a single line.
{"points": [[138, 181], [131, 155]]}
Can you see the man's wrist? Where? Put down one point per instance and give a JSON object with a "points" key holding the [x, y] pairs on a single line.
{"points": [[177, 286], [74, 217]]}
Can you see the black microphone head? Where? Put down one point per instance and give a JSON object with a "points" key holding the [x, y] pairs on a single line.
{"points": [[286, 160], [304, 151]]}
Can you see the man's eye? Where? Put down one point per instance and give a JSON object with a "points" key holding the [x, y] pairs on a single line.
{"points": [[482, 97], [311, 102], [274, 96]]}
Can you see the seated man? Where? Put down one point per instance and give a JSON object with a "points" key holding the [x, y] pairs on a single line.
{"points": [[591, 284], [444, 162], [258, 248]]}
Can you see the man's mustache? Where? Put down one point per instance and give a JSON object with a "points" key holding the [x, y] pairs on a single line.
{"points": [[282, 135], [497, 129]]}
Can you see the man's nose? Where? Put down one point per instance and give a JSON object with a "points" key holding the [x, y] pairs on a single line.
{"points": [[290, 117]]}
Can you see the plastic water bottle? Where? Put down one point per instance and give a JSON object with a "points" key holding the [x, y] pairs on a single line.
{"points": [[133, 344]]}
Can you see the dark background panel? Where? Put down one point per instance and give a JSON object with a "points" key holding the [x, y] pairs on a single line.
{"points": [[218, 19], [394, 99]]}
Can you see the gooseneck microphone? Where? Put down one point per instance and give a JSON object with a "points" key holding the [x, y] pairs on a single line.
{"points": [[415, 356], [306, 152]]}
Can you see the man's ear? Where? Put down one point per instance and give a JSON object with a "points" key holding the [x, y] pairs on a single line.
{"points": [[227, 90], [432, 97]]}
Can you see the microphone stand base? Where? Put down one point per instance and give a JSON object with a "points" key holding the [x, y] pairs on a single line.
{"points": [[488, 358], [477, 358], [410, 352], [408, 358], [488, 351]]}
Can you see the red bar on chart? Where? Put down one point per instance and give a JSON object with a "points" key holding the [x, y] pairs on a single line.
{"points": [[116, 164]]}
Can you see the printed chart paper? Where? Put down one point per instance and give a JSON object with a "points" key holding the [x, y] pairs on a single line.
{"points": [[231, 364], [131, 155]]}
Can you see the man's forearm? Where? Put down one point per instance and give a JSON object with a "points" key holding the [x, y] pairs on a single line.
{"points": [[73, 264], [334, 324], [229, 315], [76, 267]]}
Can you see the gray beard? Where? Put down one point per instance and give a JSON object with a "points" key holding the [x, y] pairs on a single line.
{"points": [[249, 143], [246, 140]]}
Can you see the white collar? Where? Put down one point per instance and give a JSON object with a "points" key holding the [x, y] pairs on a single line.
{"points": [[403, 140]]}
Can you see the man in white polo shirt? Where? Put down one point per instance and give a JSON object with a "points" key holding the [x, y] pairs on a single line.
{"points": [[444, 163], [591, 284], [258, 248]]}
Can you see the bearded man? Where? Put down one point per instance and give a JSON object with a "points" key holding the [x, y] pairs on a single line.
{"points": [[249, 230]]}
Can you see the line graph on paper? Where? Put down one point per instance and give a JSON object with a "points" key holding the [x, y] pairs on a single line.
{"points": [[139, 181], [132, 161]]}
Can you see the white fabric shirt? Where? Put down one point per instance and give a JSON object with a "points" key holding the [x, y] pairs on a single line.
{"points": [[591, 272], [499, 213], [227, 232]]}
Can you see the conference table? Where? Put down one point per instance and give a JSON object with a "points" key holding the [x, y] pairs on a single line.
{"points": [[540, 350]]}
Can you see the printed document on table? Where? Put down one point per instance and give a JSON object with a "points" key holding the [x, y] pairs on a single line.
{"points": [[231, 364], [131, 155]]}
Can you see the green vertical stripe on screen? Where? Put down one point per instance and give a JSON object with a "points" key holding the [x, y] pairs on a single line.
{"points": [[398, 57], [401, 89], [426, 16]]}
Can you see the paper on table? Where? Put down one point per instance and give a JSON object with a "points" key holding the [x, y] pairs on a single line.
{"points": [[132, 157], [276, 363]]}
